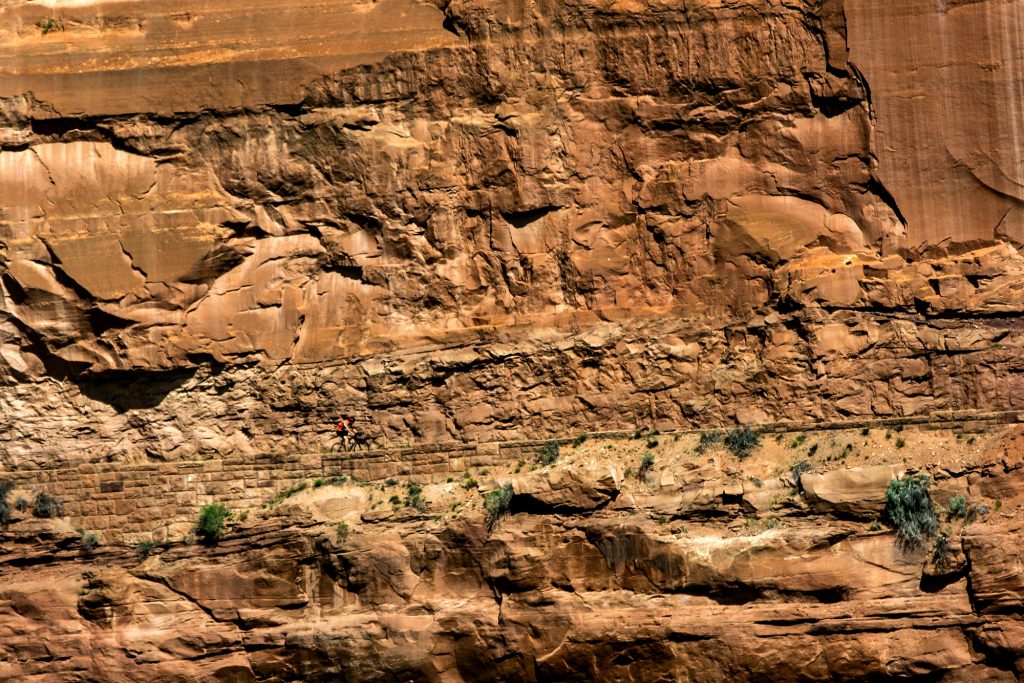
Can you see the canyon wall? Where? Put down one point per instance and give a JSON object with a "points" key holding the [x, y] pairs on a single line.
{"points": [[488, 219], [699, 568], [478, 225]]}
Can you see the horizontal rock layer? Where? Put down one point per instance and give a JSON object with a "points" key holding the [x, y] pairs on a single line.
{"points": [[693, 570]]}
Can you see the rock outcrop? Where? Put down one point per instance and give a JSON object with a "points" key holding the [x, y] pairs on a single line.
{"points": [[477, 224], [588, 574], [491, 219]]}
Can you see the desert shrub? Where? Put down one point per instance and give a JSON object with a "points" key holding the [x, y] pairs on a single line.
{"points": [[89, 541], [646, 463], [469, 483], [289, 492], [496, 505], [798, 441], [940, 551], [909, 510], [549, 454], [652, 442], [341, 531], [417, 502], [210, 526], [21, 504], [144, 549], [395, 500], [47, 506], [708, 439], [5, 509], [742, 441], [975, 510], [47, 25], [578, 441], [957, 508], [799, 468], [900, 442], [812, 450]]}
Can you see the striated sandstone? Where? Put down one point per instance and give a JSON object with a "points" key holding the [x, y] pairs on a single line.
{"points": [[491, 219], [472, 222], [560, 590]]}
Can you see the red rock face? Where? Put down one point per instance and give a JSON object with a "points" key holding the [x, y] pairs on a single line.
{"points": [[496, 219], [689, 571], [223, 226]]}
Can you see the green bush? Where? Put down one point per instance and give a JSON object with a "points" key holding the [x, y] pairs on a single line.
{"points": [[799, 468], [21, 504], [288, 492], [210, 526], [47, 25], [89, 541], [957, 508], [708, 439], [798, 441], [900, 442], [578, 441], [909, 510], [341, 531], [940, 551], [144, 549], [646, 463], [496, 505], [549, 454], [5, 509], [47, 506], [742, 441]]}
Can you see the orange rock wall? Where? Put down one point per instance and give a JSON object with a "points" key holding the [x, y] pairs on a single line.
{"points": [[493, 219]]}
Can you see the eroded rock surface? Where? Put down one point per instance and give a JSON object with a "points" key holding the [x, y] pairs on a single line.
{"points": [[387, 581], [490, 218], [474, 220]]}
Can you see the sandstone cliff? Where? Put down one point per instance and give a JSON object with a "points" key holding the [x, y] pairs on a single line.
{"points": [[477, 224], [497, 218], [697, 567]]}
